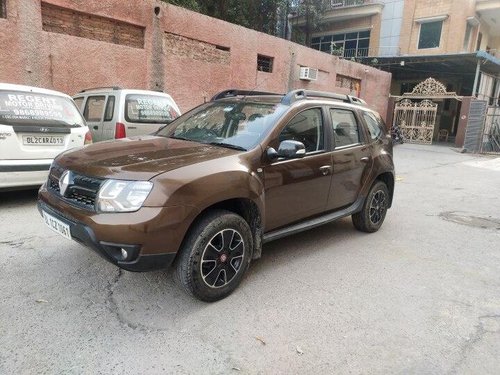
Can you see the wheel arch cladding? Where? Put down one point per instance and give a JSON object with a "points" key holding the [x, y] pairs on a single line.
{"points": [[388, 179]]}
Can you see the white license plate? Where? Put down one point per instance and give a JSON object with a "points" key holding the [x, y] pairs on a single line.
{"points": [[43, 140], [57, 225]]}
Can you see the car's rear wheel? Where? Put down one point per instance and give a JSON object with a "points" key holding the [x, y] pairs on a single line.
{"points": [[372, 215], [215, 255]]}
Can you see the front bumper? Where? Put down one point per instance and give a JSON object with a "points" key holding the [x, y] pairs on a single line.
{"points": [[112, 251]]}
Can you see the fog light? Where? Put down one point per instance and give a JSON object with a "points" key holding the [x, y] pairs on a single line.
{"points": [[124, 254]]}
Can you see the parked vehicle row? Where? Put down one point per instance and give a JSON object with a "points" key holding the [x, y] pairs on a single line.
{"points": [[37, 124]]}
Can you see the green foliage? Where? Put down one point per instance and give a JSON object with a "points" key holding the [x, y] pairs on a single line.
{"points": [[262, 15]]}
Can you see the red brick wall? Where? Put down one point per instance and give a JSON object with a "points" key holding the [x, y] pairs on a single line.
{"points": [[189, 55]]}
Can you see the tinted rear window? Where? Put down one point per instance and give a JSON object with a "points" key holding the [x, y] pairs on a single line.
{"points": [[149, 109], [27, 108]]}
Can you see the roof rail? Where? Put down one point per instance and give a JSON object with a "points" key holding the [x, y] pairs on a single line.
{"points": [[296, 95], [104, 87], [235, 92]]}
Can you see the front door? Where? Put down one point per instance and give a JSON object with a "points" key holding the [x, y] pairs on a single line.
{"points": [[298, 188]]}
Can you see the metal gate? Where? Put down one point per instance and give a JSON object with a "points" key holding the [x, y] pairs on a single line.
{"points": [[490, 142], [416, 120]]}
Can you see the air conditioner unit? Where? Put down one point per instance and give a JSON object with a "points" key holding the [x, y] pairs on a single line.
{"points": [[308, 74]]}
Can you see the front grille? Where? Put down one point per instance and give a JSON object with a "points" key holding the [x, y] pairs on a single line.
{"points": [[81, 191]]}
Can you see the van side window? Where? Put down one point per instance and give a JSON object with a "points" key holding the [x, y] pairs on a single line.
{"points": [[110, 108], [345, 127], [373, 125], [94, 108], [306, 127]]}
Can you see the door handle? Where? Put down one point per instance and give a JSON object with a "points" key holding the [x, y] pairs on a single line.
{"points": [[96, 127], [365, 159], [326, 169]]}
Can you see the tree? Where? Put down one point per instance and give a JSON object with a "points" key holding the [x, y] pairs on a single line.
{"points": [[262, 15], [312, 11]]}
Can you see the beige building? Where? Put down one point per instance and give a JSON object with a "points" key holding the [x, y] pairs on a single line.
{"points": [[392, 34], [456, 43]]}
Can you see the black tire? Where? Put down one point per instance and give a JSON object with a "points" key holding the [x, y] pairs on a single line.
{"points": [[372, 215], [215, 255]]}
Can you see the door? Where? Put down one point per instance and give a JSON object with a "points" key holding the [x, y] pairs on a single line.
{"points": [[298, 188], [37, 126], [351, 158]]}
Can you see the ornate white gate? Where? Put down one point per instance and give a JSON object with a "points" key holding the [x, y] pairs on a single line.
{"points": [[416, 120]]}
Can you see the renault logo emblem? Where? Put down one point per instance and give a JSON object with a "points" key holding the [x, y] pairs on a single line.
{"points": [[64, 183]]}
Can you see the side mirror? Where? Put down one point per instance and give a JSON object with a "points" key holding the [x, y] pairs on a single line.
{"points": [[291, 150]]}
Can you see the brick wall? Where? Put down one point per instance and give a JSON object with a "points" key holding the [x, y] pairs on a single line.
{"points": [[152, 45]]}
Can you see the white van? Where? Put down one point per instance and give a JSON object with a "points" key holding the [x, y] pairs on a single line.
{"points": [[113, 112], [35, 126]]}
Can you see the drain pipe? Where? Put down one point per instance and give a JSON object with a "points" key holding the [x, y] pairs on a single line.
{"points": [[476, 78]]}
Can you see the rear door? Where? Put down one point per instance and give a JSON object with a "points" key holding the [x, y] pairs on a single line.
{"points": [[145, 114], [36, 126], [352, 159]]}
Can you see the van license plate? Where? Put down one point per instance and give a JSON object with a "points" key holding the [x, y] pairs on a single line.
{"points": [[57, 225], [43, 140]]}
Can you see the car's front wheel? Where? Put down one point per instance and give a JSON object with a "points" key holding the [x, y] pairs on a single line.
{"points": [[215, 255], [372, 215]]}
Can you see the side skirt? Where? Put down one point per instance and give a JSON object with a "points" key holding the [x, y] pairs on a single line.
{"points": [[313, 223]]}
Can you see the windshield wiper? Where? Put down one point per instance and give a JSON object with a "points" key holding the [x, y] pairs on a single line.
{"points": [[228, 145]]}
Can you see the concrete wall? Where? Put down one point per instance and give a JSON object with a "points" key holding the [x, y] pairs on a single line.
{"points": [[191, 56]]}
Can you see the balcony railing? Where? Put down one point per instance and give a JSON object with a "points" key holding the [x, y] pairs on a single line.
{"points": [[349, 3], [388, 51]]}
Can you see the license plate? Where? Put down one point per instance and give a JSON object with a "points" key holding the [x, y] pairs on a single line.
{"points": [[57, 225], [43, 140]]}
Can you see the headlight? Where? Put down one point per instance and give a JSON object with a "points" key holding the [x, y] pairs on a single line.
{"points": [[122, 196]]}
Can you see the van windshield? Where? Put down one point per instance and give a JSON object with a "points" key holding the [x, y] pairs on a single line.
{"points": [[153, 109], [24, 108]]}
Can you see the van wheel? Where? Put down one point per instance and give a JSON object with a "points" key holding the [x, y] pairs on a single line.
{"points": [[372, 215], [215, 255]]}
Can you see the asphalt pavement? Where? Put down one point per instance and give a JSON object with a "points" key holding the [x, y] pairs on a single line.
{"points": [[421, 296]]}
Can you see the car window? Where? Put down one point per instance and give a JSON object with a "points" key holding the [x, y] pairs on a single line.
{"points": [[94, 108], [373, 125], [306, 127], [345, 127], [110, 108], [152, 109], [25, 108]]}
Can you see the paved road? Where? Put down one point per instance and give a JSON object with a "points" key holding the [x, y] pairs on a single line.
{"points": [[420, 296]]}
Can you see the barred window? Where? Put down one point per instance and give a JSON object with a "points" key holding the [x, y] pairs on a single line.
{"points": [[265, 63], [346, 82]]}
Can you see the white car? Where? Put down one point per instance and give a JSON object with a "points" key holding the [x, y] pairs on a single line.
{"points": [[113, 112], [36, 125]]}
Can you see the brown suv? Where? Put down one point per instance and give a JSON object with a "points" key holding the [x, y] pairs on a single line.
{"points": [[205, 192]]}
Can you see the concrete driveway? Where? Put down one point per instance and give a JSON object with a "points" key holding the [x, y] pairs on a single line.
{"points": [[422, 295]]}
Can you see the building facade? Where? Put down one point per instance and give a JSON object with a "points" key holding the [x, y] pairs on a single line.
{"points": [[456, 42]]}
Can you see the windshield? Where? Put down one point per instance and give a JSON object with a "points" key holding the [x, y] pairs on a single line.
{"points": [[238, 124], [24, 108], [149, 109]]}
